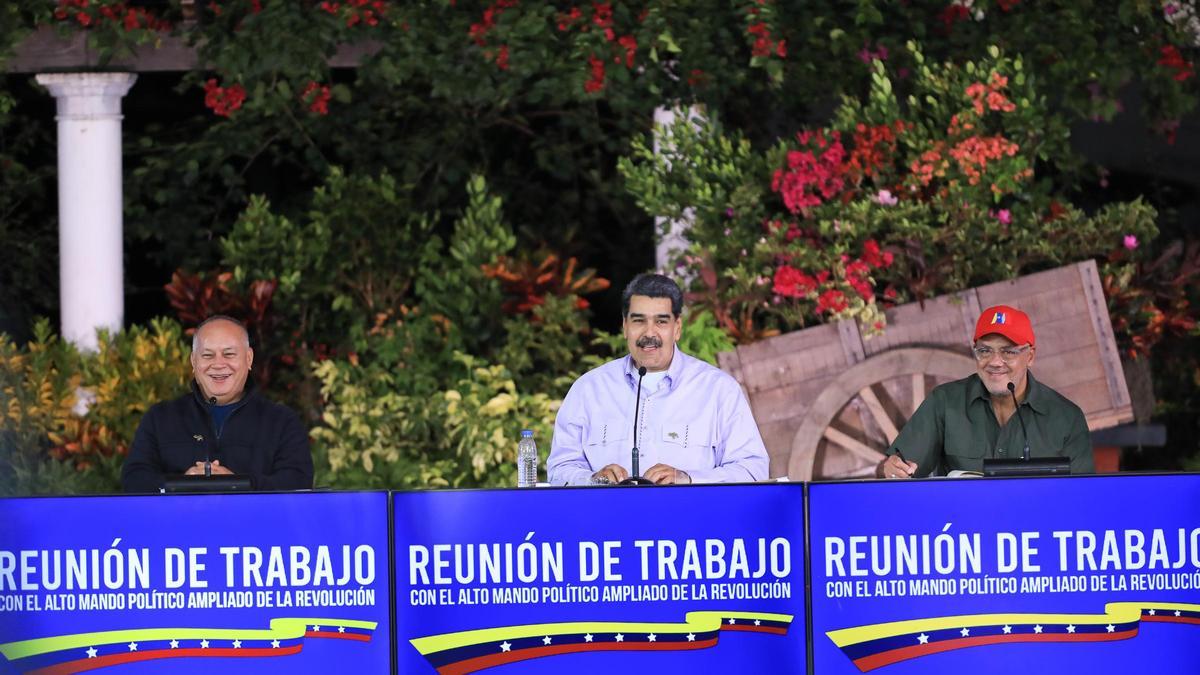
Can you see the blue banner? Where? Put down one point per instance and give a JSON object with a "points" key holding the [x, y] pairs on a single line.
{"points": [[250, 583], [1083, 574], [604, 580]]}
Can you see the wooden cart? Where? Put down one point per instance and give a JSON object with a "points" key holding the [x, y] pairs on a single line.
{"points": [[828, 400]]}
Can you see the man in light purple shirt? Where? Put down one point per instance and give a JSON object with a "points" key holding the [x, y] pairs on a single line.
{"points": [[694, 424]]}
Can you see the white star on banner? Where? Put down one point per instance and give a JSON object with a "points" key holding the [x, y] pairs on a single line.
{"points": [[1151, 612], [91, 652], [505, 647], [1037, 629], [1007, 630], [587, 638], [965, 632], [1176, 612], [691, 637], [133, 646], [922, 639], [274, 644], [316, 628], [204, 644], [732, 621], [620, 638], [757, 622], [174, 644], [652, 637], [546, 640], [341, 629], [237, 644], [1071, 628], [1110, 628]]}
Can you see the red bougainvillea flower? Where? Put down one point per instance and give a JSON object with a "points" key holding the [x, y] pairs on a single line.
{"points": [[874, 256], [1173, 59], [223, 101], [832, 301], [792, 283], [809, 179], [317, 96], [596, 82]]}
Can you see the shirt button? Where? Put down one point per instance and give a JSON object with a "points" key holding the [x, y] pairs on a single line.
{"points": [[1000, 451]]}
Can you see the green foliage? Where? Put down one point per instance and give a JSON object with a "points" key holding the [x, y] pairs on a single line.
{"points": [[451, 282], [356, 251], [69, 417], [463, 436]]}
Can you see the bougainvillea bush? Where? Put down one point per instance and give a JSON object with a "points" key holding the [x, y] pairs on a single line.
{"points": [[900, 196]]}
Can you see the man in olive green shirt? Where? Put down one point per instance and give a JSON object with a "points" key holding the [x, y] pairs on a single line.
{"points": [[972, 419]]}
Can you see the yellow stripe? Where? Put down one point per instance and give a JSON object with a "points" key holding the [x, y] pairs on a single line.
{"points": [[281, 629], [1115, 612], [693, 621]]}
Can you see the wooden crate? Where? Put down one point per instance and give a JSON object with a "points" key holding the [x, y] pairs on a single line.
{"points": [[828, 400]]}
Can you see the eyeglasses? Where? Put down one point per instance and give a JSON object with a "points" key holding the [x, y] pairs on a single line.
{"points": [[983, 353]]}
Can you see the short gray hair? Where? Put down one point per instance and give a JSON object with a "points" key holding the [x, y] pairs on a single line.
{"points": [[218, 317]]}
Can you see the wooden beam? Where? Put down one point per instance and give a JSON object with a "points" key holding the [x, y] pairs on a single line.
{"points": [[45, 51]]}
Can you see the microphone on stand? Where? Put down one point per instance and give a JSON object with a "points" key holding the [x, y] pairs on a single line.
{"points": [[212, 400], [635, 478], [1012, 390]]}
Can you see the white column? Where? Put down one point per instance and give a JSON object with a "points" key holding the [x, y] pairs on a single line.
{"points": [[90, 270], [670, 235]]}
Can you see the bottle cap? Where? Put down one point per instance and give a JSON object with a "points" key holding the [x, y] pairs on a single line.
{"points": [[526, 433]]}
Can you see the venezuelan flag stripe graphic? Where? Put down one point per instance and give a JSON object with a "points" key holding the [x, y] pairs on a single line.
{"points": [[878, 645], [473, 650], [65, 654]]}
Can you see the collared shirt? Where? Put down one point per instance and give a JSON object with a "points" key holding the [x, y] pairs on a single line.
{"points": [[696, 420], [956, 428]]}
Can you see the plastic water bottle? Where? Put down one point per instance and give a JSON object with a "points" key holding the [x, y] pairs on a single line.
{"points": [[527, 460]]}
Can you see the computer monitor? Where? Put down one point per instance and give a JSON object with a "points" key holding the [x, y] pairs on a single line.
{"points": [[1034, 466], [223, 483]]}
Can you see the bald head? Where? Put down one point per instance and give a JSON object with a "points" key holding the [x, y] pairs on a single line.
{"points": [[221, 359]]}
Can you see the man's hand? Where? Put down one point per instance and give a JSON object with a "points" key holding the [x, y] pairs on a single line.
{"points": [[667, 475], [613, 473], [894, 467], [217, 469]]}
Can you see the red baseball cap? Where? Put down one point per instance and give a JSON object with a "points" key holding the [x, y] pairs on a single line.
{"points": [[1008, 321]]}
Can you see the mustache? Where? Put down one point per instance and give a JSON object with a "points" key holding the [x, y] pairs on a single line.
{"points": [[648, 341]]}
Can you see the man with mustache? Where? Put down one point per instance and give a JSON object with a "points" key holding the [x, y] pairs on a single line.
{"points": [[694, 424], [969, 420], [223, 421]]}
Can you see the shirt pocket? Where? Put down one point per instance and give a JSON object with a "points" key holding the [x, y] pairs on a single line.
{"points": [[608, 443], [688, 446]]}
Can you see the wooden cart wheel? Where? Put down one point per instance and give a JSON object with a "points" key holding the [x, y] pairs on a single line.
{"points": [[859, 414]]}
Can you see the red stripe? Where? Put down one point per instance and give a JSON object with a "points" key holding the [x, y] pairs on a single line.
{"points": [[82, 665], [889, 657], [338, 636], [480, 662], [1170, 619], [777, 630]]}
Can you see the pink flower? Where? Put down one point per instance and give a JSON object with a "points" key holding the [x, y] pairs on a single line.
{"points": [[1004, 216], [1131, 242], [886, 198]]}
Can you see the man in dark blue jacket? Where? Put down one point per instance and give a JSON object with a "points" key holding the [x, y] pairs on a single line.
{"points": [[223, 422]]}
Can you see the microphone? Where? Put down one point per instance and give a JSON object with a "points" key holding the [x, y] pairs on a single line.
{"points": [[635, 477], [212, 400], [1012, 391]]}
